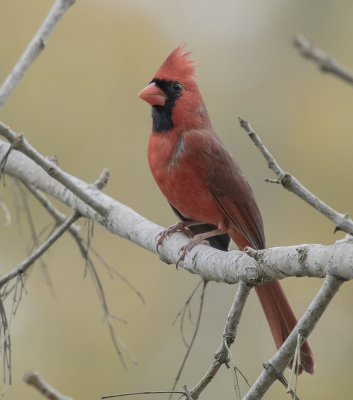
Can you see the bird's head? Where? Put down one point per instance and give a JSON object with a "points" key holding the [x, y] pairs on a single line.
{"points": [[174, 96]]}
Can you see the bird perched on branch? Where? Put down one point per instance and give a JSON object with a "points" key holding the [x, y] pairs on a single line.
{"points": [[204, 184]]}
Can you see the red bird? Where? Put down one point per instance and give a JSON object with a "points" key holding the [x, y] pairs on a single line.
{"points": [[204, 184]]}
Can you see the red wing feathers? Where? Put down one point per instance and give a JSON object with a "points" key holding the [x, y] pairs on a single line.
{"points": [[227, 184], [246, 219]]}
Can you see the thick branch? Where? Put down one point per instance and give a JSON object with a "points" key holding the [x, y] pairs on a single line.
{"points": [[342, 221], [321, 59], [33, 50], [230, 267], [277, 364]]}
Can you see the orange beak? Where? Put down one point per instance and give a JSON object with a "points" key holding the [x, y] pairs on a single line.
{"points": [[153, 95]]}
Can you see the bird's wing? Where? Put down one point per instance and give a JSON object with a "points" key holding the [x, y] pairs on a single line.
{"points": [[227, 185]]}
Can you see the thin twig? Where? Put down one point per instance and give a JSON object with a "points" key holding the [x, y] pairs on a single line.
{"points": [[89, 265], [18, 142], [110, 396], [6, 212], [58, 216], [33, 50], [34, 379], [31, 225], [5, 344], [182, 312], [274, 368], [229, 335], [342, 221], [321, 59], [24, 265], [284, 382], [192, 339]]}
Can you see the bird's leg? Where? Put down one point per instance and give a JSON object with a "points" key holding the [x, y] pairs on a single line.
{"points": [[197, 239], [181, 226]]}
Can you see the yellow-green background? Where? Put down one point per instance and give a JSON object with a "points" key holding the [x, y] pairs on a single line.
{"points": [[79, 101]]}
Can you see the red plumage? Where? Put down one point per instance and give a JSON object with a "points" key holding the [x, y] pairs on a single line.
{"points": [[202, 181]]}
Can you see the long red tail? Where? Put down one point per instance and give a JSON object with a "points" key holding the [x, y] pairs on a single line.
{"points": [[282, 320]]}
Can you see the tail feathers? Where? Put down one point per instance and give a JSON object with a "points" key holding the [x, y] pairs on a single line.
{"points": [[282, 320]]}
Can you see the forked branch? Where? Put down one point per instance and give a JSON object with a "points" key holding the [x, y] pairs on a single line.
{"points": [[342, 221]]}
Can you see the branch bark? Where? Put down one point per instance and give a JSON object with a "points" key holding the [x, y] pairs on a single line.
{"points": [[321, 59], [312, 260], [342, 221], [274, 368], [34, 379]]}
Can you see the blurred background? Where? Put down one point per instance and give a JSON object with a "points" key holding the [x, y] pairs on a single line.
{"points": [[79, 102]]}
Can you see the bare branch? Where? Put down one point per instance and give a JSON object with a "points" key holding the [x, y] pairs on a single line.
{"points": [[33, 378], [5, 343], [58, 216], [33, 50], [110, 396], [342, 221], [323, 61], [229, 335], [274, 368], [193, 338], [6, 212], [182, 312], [211, 264], [24, 265], [18, 142]]}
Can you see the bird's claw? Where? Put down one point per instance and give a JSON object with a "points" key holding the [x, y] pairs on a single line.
{"points": [[198, 239], [178, 227]]}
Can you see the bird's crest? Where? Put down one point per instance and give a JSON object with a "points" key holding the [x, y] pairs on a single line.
{"points": [[177, 66]]}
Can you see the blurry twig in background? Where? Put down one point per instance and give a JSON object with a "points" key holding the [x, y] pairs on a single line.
{"points": [[19, 272], [18, 142], [274, 368], [6, 212], [85, 248], [5, 343], [33, 378], [229, 335], [182, 313], [342, 221], [192, 339], [25, 264], [323, 61], [34, 48], [111, 396]]}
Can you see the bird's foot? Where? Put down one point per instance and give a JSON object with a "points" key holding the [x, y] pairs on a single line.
{"points": [[197, 239], [181, 226]]}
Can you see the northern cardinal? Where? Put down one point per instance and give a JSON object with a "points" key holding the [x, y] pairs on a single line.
{"points": [[204, 184]]}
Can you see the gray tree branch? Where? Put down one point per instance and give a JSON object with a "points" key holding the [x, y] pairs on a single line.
{"points": [[34, 379], [33, 50], [312, 260], [321, 59], [342, 221], [229, 335], [274, 368]]}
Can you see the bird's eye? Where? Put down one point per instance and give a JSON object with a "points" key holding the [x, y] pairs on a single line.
{"points": [[177, 87]]}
